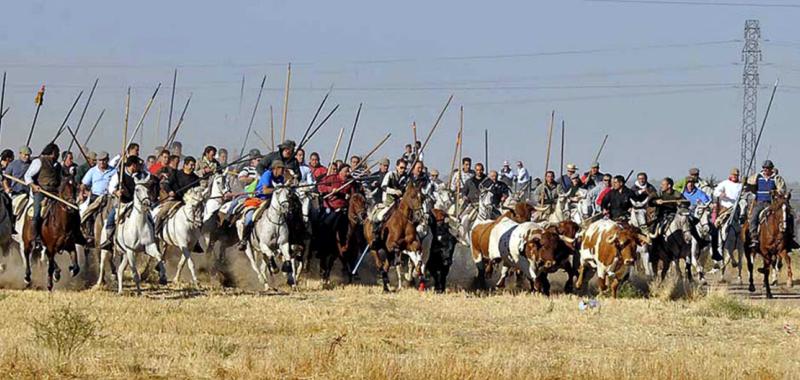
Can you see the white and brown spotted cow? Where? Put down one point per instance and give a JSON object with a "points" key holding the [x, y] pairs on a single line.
{"points": [[611, 248]]}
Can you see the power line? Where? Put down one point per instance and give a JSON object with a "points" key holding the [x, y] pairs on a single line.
{"points": [[698, 3]]}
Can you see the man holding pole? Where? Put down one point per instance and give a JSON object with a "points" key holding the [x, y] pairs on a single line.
{"points": [[44, 173], [285, 154], [392, 187], [124, 192]]}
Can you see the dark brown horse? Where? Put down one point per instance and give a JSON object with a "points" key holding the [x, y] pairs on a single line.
{"points": [[397, 234], [60, 231], [774, 241]]}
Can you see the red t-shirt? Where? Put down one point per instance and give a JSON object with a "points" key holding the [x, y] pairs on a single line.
{"points": [[155, 168]]}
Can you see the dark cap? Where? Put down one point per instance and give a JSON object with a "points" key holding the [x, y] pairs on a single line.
{"points": [[768, 164], [694, 171]]}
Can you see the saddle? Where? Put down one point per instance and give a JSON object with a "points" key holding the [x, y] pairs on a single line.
{"points": [[260, 211], [45, 209], [94, 208], [18, 204], [126, 212]]}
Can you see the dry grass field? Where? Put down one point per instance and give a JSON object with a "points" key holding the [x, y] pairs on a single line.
{"points": [[359, 332]]}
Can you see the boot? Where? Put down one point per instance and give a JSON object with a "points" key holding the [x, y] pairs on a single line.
{"points": [[108, 243], [37, 233], [248, 229]]}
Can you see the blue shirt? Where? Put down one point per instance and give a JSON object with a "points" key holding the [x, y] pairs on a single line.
{"points": [[267, 181], [17, 169], [696, 196], [765, 187], [98, 180]]}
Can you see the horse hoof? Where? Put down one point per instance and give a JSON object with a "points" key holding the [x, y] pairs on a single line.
{"points": [[57, 275], [74, 270], [770, 296], [751, 288], [789, 283], [162, 281]]}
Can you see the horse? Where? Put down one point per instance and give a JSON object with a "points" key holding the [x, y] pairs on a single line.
{"points": [[774, 241], [60, 231], [135, 234], [270, 237], [344, 236], [701, 229], [183, 230], [731, 240], [398, 235], [673, 244]]}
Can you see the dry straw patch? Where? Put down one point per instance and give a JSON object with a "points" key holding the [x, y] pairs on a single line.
{"points": [[358, 332]]}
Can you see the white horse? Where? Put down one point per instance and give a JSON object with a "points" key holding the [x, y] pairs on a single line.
{"points": [[731, 243], [309, 199], [270, 239], [702, 213], [183, 230], [638, 219], [135, 235]]}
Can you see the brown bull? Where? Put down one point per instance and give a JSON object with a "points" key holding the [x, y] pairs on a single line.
{"points": [[611, 248]]}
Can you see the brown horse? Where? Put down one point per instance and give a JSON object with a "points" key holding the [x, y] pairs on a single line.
{"points": [[773, 241], [397, 234], [345, 234], [60, 231]]}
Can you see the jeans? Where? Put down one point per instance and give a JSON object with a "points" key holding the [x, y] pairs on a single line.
{"points": [[112, 215], [757, 208], [234, 204], [37, 205], [248, 217]]}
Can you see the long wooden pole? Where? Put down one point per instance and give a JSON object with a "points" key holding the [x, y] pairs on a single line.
{"points": [[121, 163], [83, 113], [63, 123], [45, 192], [171, 103], [549, 143], [353, 132], [253, 116], [80, 148], [91, 132], [561, 166], [486, 148], [450, 175], [146, 110], [366, 157], [2, 100], [335, 150], [460, 160], [316, 114], [286, 102], [310, 135], [171, 138], [39, 102], [271, 128], [597, 156], [436, 124]]}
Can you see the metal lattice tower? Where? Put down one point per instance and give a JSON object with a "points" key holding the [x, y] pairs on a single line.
{"points": [[751, 55]]}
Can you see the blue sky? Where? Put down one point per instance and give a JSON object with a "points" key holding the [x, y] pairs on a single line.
{"points": [[662, 80]]}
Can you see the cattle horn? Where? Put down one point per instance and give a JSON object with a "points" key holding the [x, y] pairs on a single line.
{"points": [[611, 239], [566, 239]]}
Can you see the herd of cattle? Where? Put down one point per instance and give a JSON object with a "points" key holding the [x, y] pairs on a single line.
{"points": [[419, 238]]}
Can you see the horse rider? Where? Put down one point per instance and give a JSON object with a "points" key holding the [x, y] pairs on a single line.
{"points": [[376, 180], [764, 184], [409, 154], [392, 188], [523, 179], [618, 201], [506, 174], [208, 165], [499, 190], [726, 193], [161, 161], [335, 191], [420, 178], [576, 193], [566, 180], [700, 183], [595, 194], [693, 194], [68, 166], [546, 195], [436, 183], [463, 175], [306, 176], [84, 168], [642, 187], [44, 173], [667, 202], [593, 177], [94, 183], [6, 157], [247, 179], [264, 189], [17, 169], [471, 191], [180, 182], [317, 169], [285, 154], [131, 172]]}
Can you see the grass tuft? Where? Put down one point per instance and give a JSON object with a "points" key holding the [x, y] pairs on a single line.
{"points": [[66, 331], [725, 306]]}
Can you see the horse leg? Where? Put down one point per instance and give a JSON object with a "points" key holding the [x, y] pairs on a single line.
{"points": [[101, 269], [27, 258], [250, 257], [501, 282], [136, 279], [74, 267], [51, 270], [399, 268], [767, 267], [186, 258], [788, 262], [121, 270], [749, 256]]}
